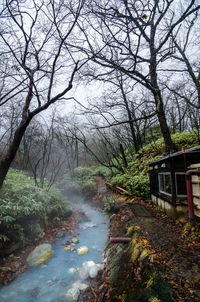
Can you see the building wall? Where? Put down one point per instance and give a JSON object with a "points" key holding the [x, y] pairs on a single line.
{"points": [[178, 212], [165, 206], [196, 190]]}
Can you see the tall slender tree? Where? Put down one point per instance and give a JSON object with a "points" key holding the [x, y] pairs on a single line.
{"points": [[33, 38], [135, 38]]}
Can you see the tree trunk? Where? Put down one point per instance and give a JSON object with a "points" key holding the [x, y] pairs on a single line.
{"points": [[169, 145], [10, 155], [134, 138], [123, 156]]}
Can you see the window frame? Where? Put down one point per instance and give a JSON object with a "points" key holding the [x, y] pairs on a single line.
{"points": [[179, 173], [159, 183]]}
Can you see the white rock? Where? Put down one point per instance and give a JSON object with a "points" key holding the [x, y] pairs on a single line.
{"points": [[78, 284], [93, 271], [73, 293], [89, 269], [100, 266], [83, 286], [85, 269]]}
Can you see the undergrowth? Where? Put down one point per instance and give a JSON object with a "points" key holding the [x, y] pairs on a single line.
{"points": [[135, 179], [83, 179], [108, 203], [21, 203]]}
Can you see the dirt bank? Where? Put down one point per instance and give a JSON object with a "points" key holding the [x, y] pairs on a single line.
{"points": [[161, 263]]}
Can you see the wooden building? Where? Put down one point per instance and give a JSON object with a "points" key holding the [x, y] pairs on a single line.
{"points": [[168, 184]]}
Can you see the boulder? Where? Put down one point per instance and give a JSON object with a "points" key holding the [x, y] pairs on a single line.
{"points": [[93, 271], [89, 269], [73, 293], [82, 250], [84, 270], [41, 254]]}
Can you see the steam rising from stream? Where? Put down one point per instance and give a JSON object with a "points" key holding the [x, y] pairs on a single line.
{"points": [[50, 282]]}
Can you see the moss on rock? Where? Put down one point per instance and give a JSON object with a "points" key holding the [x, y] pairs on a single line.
{"points": [[132, 276]]}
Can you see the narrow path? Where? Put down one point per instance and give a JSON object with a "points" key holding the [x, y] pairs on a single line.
{"points": [[179, 257]]}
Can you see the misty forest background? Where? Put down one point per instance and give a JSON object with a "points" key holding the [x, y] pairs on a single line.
{"points": [[139, 60]]}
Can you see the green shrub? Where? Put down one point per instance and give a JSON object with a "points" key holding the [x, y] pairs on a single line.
{"points": [[22, 201], [85, 178], [108, 203], [84, 172], [136, 177], [138, 185], [67, 183], [182, 140], [185, 140], [102, 171]]}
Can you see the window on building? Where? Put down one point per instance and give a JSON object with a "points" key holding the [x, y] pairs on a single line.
{"points": [[165, 184], [180, 184]]}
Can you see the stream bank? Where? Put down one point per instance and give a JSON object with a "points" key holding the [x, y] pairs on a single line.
{"points": [[51, 281], [15, 263], [160, 264]]}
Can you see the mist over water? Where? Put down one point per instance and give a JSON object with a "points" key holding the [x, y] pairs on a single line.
{"points": [[50, 282]]}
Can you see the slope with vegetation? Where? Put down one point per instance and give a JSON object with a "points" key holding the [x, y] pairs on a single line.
{"points": [[135, 179], [26, 209]]}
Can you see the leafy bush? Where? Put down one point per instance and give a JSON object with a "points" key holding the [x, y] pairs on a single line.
{"points": [[68, 184], [84, 172], [22, 201], [182, 141], [136, 178], [138, 185], [85, 178], [108, 203], [102, 171], [185, 140]]}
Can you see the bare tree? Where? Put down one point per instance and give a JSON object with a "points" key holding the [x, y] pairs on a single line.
{"points": [[135, 37], [186, 43], [41, 153], [184, 69], [33, 38], [68, 142], [100, 145]]}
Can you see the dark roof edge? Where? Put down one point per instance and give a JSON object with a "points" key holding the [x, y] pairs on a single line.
{"points": [[197, 148]]}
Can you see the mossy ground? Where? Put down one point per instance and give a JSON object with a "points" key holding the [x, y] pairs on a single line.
{"points": [[132, 277]]}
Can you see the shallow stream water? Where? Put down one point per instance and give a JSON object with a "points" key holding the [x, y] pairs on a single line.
{"points": [[50, 282]]}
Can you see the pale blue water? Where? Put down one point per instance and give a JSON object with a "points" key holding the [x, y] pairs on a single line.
{"points": [[50, 282]]}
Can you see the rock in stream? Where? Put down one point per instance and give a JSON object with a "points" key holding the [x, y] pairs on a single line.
{"points": [[41, 254]]}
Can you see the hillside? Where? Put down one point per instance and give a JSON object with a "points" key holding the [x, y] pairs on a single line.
{"points": [[136, 178]]}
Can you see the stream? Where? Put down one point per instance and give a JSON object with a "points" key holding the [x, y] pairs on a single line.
{"points": [[51, 281]]}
